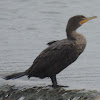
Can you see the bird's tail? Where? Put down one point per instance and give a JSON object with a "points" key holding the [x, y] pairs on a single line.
{"points": [[14, 76]]}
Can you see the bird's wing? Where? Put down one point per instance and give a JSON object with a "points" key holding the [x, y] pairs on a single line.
{"points": [[52, 56], [51, 42]]}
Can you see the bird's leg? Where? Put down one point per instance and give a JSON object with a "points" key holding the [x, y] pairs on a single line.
{"points": [[54, 81]]}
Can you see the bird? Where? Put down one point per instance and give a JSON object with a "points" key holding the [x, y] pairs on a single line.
{"points": [[59, 54]]}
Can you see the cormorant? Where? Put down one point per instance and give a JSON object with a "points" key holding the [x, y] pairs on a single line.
{"points": [[59, 55]]}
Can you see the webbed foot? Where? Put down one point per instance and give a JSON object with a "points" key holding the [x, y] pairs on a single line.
{"points": [[58, 86]]}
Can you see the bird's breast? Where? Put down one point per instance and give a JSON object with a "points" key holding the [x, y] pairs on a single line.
{"points": [[80, 44]]}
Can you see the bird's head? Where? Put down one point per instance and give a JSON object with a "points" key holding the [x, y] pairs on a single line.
{"points": [[76, 21]]}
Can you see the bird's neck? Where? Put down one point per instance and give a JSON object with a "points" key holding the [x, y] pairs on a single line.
{"points": [[71, 34]]}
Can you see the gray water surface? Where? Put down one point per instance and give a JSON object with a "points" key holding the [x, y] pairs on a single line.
{"points": [[27, 25]]}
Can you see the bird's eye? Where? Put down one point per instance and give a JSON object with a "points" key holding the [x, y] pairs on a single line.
{"points": [[83, 18]]}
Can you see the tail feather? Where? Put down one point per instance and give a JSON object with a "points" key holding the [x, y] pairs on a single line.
{"points": [[14, 76]]}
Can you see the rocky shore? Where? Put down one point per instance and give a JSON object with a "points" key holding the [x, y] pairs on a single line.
{"points": [[46, 93]]}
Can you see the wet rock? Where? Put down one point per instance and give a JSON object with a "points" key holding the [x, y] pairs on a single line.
{"points": [[45, 93]]}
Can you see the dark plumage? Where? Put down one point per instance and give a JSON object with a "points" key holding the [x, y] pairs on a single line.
{"points": [[51, 42], [59, 55]]}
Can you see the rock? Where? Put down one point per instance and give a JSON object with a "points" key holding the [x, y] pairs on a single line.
{"points": [[45, 93]]}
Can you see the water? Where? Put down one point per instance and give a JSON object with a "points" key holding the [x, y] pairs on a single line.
{"points": [[26, 27]]}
